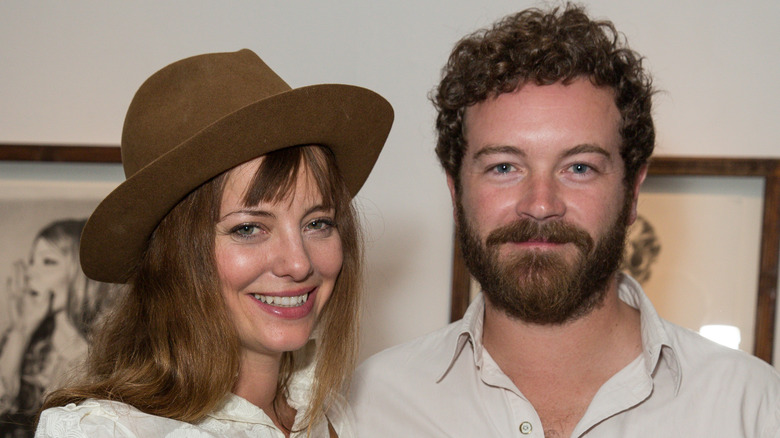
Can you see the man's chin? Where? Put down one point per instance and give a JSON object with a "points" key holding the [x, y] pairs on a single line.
{"points": [[543, 302]]}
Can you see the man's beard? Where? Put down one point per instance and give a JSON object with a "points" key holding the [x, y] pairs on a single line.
{"points": [[540, 286]]}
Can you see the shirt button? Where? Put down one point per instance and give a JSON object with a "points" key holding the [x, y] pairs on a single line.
{"points": [[526, 428]]}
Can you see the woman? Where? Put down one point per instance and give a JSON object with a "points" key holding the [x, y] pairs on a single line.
{"points": [[53, 307], [236, 238]]}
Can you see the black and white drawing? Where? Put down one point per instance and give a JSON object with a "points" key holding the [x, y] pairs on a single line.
{"points": [[709, 233], [49, 305], [642, 249]]}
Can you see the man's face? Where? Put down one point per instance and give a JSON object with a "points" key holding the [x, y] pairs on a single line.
{"points": [[543, 209]]}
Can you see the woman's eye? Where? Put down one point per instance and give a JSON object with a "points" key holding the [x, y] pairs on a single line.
{"points": [[245, 230], [319, 224]]}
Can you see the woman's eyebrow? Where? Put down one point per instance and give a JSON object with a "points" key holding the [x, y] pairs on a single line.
{"points": [[249, 212]]}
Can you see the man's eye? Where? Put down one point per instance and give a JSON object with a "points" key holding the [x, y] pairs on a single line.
{"points": [[580, 168], [503, 168]]}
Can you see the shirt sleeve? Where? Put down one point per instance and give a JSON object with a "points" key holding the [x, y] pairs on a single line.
{"points": [[80, 421], [104, 418]]}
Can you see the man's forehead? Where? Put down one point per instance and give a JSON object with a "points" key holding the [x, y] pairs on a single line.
{"points": [[580, 110], [544, 96]]}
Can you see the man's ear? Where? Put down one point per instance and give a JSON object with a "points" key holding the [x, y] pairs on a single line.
{"points": [[640, 178], [453, 196]]}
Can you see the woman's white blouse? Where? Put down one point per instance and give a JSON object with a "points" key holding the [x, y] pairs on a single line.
{"points": [[235, 418]]}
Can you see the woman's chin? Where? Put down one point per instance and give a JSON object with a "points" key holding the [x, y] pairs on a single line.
{"points": [[280, 342]]}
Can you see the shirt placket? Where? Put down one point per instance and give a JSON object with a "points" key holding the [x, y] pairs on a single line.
{"points": [[525, 420], [521, 416]]}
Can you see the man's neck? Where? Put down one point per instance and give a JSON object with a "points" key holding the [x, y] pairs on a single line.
{"points": [[559, 368]]}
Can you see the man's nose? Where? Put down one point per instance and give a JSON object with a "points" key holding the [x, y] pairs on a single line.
{"points": [[540, 198]]}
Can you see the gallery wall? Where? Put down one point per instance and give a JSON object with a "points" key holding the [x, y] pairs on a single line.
{"points": [[69, 69]]}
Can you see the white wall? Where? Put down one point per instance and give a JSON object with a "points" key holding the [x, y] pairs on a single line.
{"points": [[69, 69]]}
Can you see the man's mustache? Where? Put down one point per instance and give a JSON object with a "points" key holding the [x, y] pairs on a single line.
{"points": [[527, 230]]}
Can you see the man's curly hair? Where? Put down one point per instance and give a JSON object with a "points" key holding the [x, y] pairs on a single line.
{"points": [[544, 47]]}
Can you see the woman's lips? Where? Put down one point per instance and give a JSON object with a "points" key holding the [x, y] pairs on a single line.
{"points": [[282, 301], [289, 305]]}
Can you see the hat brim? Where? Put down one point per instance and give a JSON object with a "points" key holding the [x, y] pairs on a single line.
{"points": [[353, 122]]}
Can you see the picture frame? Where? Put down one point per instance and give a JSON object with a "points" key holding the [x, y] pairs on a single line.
{"points": [[62, 153], [764, 171], [46, 194]]}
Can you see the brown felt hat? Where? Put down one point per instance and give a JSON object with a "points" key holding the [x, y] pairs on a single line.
{"points": [[203, 115]]}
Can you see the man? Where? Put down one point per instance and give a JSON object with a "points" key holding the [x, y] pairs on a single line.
{"points": [[545, 133]]}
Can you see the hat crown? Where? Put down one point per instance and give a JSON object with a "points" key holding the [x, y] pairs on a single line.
{"points": [[204, 115], [187, 96]]}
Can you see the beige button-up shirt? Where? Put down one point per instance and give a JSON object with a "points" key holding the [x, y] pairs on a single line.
{"points": [[446, 385]]}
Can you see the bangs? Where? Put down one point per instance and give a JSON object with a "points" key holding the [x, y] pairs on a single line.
{"points": [[277, 174]]}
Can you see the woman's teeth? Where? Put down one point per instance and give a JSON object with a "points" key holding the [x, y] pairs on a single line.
{"points": [[282, 301]]}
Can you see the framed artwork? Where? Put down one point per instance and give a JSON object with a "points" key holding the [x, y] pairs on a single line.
{"points": [[48, 305], [705, 247]]}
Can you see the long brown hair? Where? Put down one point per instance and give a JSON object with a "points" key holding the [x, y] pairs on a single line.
{"points": [[170, 348]]}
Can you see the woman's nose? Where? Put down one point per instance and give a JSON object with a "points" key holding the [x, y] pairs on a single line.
{"points": [[292, 259]]}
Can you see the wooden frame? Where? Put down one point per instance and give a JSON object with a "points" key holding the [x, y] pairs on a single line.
{"points": [[767, 169], [69, 153]]}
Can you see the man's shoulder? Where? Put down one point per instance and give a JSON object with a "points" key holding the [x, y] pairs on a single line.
{"points": [[420, 355], [704, 358], [400, 392], [401, 373]]}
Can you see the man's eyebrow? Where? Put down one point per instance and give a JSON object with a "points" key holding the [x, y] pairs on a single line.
{"points": [[584, 148], [587, 148], [491, 150]]}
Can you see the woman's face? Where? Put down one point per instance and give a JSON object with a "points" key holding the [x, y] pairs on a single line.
{"points": [[48, 274], [278, 262]]}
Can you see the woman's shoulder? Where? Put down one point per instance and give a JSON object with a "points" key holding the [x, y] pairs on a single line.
{"points": [[103, 418]]}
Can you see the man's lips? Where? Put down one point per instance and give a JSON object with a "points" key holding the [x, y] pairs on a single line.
{"points": [[540, 243], [529, 234]]}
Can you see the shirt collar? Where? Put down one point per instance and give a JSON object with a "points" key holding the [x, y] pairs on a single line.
{"points": [[657, 347], [469, 331], [236, 408]]}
